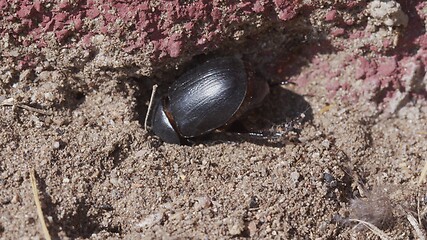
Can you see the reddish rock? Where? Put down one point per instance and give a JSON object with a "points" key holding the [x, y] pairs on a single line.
{"points": [[336, 32], [136, 38], [331, 15], [387, 66]]}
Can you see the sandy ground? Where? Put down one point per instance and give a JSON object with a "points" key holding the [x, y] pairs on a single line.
{"points": [[355, 156], [100, 175]]}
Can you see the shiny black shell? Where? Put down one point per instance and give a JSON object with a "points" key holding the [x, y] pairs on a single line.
{"points": [[161, 125], [206, 97]]}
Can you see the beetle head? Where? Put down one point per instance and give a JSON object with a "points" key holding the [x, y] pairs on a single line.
{"points": [[161, 124]]}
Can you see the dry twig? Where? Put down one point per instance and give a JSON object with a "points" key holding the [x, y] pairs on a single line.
{"points": [[38, 205], [326, 108], [373, 228], [11, 102], [150, 105], [423, 174], [420, 232]]}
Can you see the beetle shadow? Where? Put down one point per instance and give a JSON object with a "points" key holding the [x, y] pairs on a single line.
{"points": [[277, 121]]}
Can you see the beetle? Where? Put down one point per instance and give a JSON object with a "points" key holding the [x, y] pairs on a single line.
{"points": [[208, 97]]}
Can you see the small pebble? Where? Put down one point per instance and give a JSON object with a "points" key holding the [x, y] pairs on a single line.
{"points": [[202, 203], [56, 145], [49, 96], [236, 228], [295, 176], [326, 143], [329, 179], [114, 180], [15, 199], [150, 220], [252, 228]]}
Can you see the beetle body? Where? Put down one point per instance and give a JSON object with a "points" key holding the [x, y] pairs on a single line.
{"points": [[206, 98]]}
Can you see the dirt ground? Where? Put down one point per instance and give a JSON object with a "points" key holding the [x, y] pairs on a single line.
{"points": [[343, 168], [100, 175]]}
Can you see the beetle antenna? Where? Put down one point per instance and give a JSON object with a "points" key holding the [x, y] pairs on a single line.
{"points": [[150, 105]]}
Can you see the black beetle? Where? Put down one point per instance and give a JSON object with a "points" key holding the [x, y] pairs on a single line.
{"points": [[208, 97]]}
